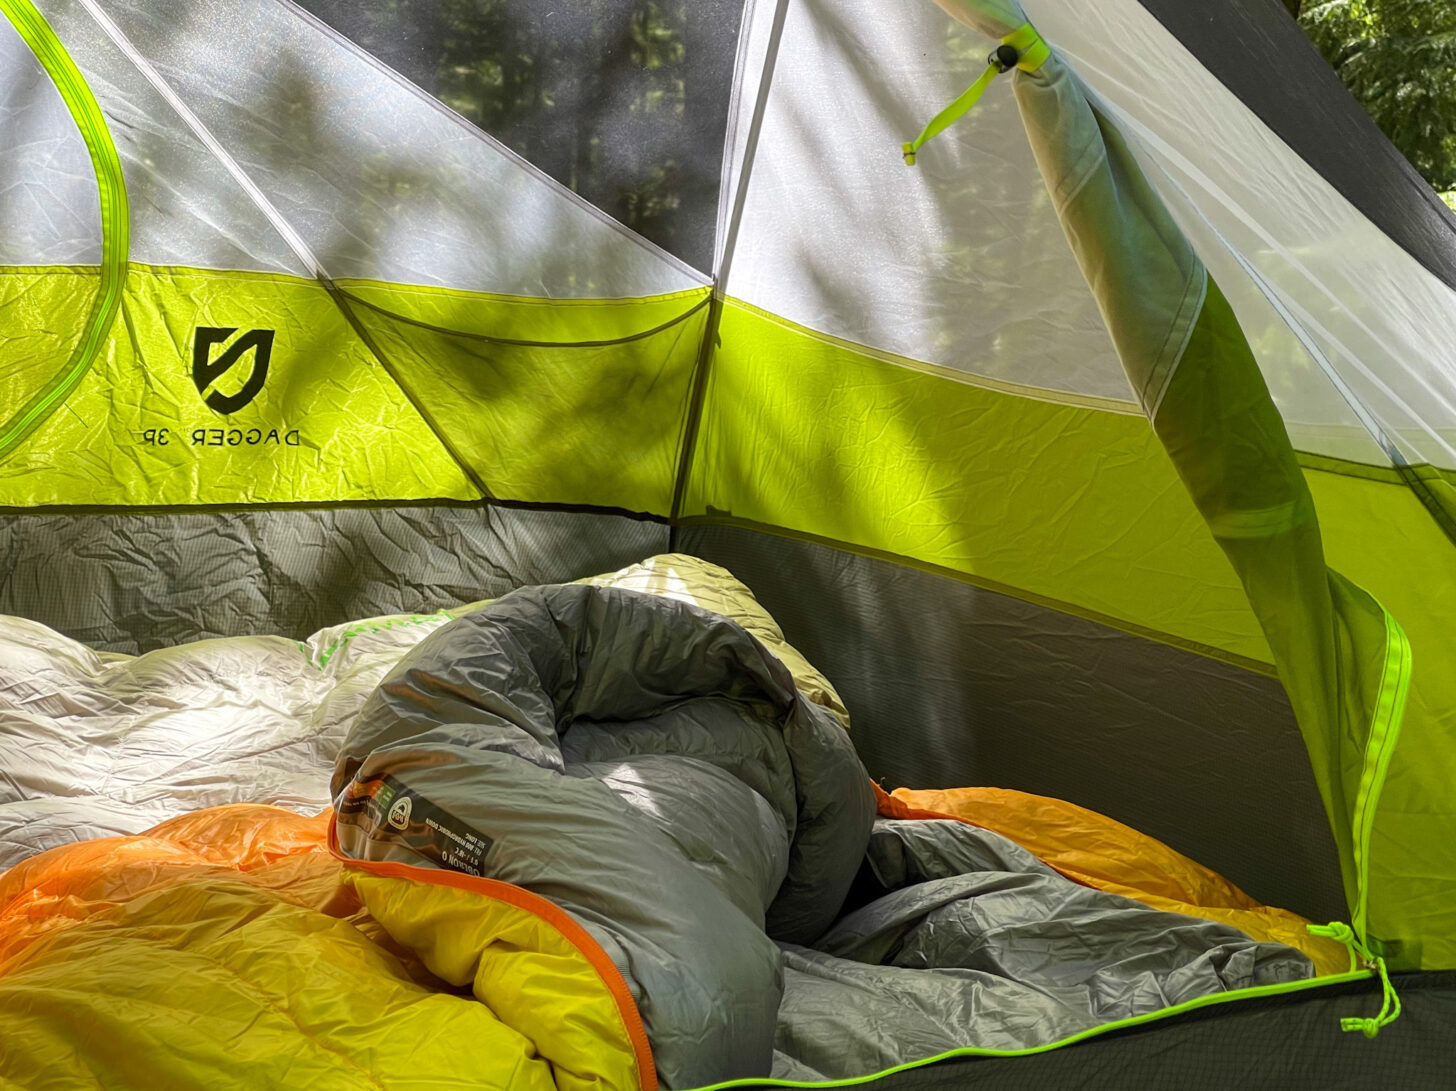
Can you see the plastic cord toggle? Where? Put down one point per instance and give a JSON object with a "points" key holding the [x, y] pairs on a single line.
{"points": [[1360, 956]]}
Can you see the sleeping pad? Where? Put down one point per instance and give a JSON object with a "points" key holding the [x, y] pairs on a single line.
{"points": [[649, 767]]}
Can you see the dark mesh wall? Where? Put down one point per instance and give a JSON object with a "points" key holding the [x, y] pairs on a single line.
{"points": [[130, 583], [624, 101], [951, 685]]}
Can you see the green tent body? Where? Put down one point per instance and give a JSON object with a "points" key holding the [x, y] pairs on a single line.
{"points": [[1114, 350]]}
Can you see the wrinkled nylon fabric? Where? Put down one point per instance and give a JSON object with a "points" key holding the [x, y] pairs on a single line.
{"points": [[444, 926], [979, 940], [694, 804], [1102, 853], [1052, 502], [230, 935], [227, 947], [416, 393], [642, 764]]}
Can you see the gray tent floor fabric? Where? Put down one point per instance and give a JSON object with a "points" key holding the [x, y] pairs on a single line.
{"points": [[1288, 1042], [650, 766]]}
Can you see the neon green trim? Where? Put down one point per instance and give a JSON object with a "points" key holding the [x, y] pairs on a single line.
{"points": [[1359, 954], [115, 217], [1093, 1032], [1379, 749], [1031, 53]]}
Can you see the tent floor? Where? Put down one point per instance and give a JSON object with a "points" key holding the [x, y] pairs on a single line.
{"points": [[1284, 1042]]}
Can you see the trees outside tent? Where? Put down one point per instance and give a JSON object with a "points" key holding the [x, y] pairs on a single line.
{"points": [[1398, 57]]}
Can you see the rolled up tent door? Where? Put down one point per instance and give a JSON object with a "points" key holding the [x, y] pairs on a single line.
{"points": [[1343, 660]]}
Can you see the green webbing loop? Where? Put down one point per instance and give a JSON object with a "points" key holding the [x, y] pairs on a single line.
{"points": [[1022, 48], [1360, 955], [1027, 42]]}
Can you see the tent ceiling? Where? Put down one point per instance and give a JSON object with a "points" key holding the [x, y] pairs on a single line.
{"points": [[1259, 53], [48, 210], [625, 103]]}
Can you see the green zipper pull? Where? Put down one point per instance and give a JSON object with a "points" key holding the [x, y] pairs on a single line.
{"points": [[1360, 956], [1023, 49]]}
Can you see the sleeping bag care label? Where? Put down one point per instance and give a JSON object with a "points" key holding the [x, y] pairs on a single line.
{"points": [[384, 809]]}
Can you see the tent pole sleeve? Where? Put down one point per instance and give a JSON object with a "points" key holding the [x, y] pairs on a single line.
{"points": [[115, 219]]}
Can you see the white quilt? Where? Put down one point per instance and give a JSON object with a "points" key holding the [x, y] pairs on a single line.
{"points": [[94, 744]]}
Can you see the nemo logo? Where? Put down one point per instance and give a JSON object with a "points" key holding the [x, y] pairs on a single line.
{"points": [[206, 370]]}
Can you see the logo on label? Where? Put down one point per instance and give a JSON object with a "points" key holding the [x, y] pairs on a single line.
{"points": [[399, 814], [206, 371]]}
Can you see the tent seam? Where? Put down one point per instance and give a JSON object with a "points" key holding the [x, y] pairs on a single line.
{"points": [[294, 241], [693, 419]]}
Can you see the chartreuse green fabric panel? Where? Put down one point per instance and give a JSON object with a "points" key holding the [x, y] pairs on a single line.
{"points": [[327, 423], [1384, 538], [44, 316], [547, 401], [372, 391], [1068, 503]]}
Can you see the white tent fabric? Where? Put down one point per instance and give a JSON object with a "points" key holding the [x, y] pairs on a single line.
{"points": [[838, 234], [377, 180], [942, 271], [185, 210], [48, 210]]}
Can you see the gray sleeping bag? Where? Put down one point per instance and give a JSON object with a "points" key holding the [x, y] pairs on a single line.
{"points": [[650, 767]]}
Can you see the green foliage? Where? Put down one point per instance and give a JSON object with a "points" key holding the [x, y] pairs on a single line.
{"points": [[1398, 57]]}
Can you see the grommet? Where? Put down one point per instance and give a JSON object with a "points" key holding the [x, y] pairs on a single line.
{"points": [[1004, 59]]}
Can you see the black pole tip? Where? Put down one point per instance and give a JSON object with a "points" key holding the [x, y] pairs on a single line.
{"points": [[1005, 57]]}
